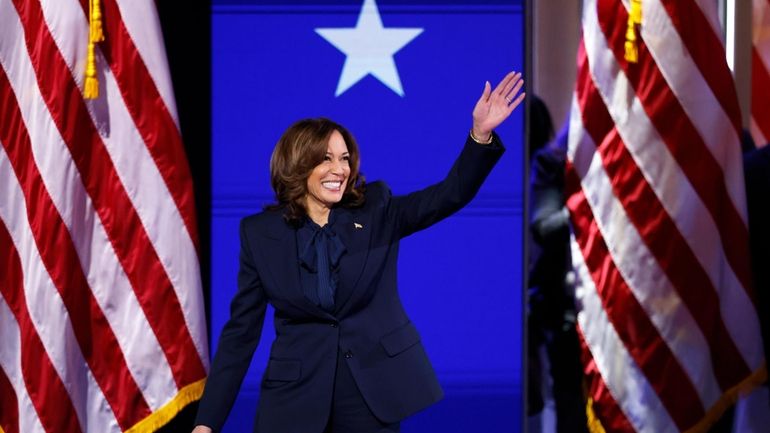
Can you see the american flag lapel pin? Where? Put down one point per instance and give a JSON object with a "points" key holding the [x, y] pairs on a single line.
{"points": [[358, 226]]}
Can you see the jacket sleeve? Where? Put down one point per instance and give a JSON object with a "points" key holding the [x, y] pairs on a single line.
{"points": [[237, 342], [421, 209]]}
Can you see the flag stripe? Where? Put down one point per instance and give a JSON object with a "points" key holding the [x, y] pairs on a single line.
{"points": [[58, 253], [142, 25], [603, 404], [676, 193], [633, 326], [48, 313], [760, 73], [85, 194], [760, 89], [687, 82], [675, 127], [756, 133], [138, 173], [150, 114], [108, 282], [651, 288], [10, 362], [701, 45], [626, 384], [137, 256], [657, 204], [9, 415], [660, 234], [39, 374], [711, 14]]}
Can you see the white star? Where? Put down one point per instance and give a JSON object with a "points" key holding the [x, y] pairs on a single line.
{"points": [[369, 48]]}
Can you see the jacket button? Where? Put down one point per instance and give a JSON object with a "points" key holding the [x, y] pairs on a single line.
{"points": [[348, 354]]}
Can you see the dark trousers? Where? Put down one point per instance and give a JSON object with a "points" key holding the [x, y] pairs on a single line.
{"points": [[349, 412]]}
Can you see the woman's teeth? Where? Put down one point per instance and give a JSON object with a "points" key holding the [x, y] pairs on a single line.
{"points": [[332, 185]]}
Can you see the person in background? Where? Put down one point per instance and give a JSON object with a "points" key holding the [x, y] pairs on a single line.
{"points": [[552, 316], [346, 358]]}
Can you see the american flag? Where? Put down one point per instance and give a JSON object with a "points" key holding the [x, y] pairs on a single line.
{"points": [[101, 310], [760, 73], [667, 317]]}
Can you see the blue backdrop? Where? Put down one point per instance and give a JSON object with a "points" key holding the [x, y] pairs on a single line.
{"points": [[271, 67]]}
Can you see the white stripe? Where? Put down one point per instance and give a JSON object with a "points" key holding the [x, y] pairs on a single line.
{"points": [[111, 288], [696, 97], [651, 288], [141, 20], [46, 308], [626, 383], [673, 189], [10, 363], [138, 173]]}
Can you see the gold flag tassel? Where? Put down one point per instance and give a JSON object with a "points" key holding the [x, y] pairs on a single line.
{"points": [[95, 34], [634, 19], [594, 425]]}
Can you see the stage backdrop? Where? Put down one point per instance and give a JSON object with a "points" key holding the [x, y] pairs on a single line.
{"points": [[460, 281]]}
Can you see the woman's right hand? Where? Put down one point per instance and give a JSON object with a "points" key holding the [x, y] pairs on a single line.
{"points": [[495, 106], [202, 429]]}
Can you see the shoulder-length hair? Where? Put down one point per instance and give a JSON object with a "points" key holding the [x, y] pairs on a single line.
{"points": [[300, 149]]}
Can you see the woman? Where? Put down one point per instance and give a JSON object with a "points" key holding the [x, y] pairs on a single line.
{"points": [[346, 358]]}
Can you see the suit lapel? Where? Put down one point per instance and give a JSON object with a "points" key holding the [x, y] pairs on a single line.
{"points": [[355, 232], [280, 254]]}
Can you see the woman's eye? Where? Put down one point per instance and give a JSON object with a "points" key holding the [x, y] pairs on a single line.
{"points": [[327, 158]]}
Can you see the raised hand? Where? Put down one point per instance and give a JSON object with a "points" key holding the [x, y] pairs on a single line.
{"points": [[495, 106]]}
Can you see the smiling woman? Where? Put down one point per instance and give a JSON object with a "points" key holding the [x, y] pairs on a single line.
{"points": [[326, 184], [314, 166], [346, 357]]}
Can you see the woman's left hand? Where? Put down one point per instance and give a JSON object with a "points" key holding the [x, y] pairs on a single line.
{"points": [[495, 106]]}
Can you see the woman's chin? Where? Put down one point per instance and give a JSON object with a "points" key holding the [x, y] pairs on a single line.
{"points": [[332, 198]]}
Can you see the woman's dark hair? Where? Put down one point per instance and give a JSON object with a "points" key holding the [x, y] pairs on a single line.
{"points": [[300, 149]]}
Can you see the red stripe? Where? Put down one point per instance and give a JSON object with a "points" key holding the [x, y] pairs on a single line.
{"points": [[149, 112], [660, 234], [760, 94], [634, 328], [57, 250], [124, 228], [9, 415], [707, 51], [605, 407], [682, 139], [44, 386]]}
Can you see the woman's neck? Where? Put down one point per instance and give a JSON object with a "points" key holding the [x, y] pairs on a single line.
{"points": [[317, 212]]}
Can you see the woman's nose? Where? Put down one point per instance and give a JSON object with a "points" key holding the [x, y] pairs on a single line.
{"points": [[337, 167]]}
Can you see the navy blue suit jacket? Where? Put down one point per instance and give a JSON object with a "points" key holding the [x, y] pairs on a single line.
{"points": [[369, 324]]}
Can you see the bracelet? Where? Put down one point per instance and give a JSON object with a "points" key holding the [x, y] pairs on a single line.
{"points": [[491, 136]]}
